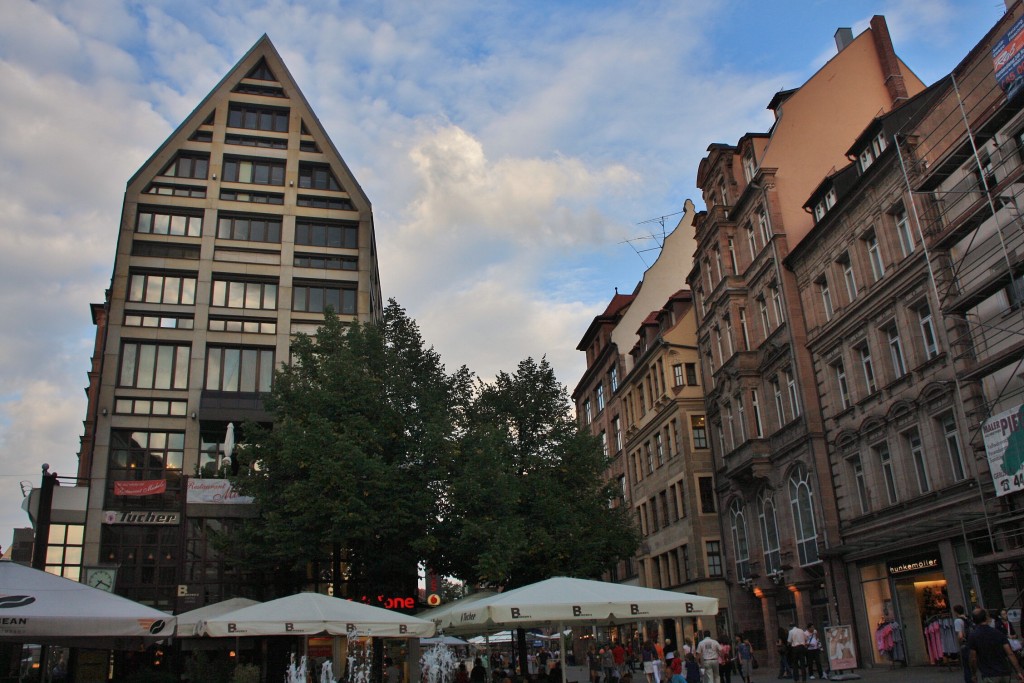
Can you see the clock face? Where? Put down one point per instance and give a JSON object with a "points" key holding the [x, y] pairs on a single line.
{"points": [[102, 578]]}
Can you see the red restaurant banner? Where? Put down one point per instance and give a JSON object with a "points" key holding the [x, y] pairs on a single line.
{"points": [[146, 487]]}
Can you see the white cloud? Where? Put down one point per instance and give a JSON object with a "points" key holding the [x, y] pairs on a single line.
{"points": [[528, 201]]}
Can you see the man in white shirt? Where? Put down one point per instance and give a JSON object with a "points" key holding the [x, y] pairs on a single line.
{"points": [[708, 651], [797, 640]]}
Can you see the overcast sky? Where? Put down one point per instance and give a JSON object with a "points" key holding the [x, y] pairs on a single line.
{"points": [[514, 152]]}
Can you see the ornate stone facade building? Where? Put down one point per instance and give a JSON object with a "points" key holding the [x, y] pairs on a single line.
{"points": [[641, 394], [773, 475]]}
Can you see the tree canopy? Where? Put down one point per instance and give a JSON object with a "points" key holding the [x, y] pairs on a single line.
{"points": [[527, 496], [365, 417], [378, 454]]}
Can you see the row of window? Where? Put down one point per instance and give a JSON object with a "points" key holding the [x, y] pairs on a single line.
{"points": [[741, 417], [672, 568], [757, 238], [249, 228], [158, 288], [216, 324], [146, 365], [805, 534], [662, 510], [723, 342], [664, 444], [901, 466], [251, 170], [850, 268], [890, 339]]}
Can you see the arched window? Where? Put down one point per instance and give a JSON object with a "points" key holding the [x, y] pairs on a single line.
{"points": [[769, 531], [739, 539], [802, 501]]}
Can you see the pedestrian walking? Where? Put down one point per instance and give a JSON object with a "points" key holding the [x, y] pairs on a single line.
{"points": [[608, 664], [782, 647], [960, 628], [478, 674], [619, 655], [647, 655], [744, 658], [692, 668], [991, 658], [725, 657], [813, 653], [708, 651], [798, 646]]}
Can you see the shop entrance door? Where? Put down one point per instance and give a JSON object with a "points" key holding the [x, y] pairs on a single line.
{"points": [[920, 599]]}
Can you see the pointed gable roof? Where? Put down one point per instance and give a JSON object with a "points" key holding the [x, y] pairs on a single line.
{"points": [[261, 60]]}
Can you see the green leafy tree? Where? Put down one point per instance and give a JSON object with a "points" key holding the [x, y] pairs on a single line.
{"points": [[349, 474], [527, 496]]}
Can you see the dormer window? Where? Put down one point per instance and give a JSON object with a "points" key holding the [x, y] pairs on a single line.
{"points": [[749, 164], [819, 210], [879, 144], [867, 158], [830, 198]]}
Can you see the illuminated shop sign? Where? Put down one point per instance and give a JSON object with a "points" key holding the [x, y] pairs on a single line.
{"points": [[914, 565]]}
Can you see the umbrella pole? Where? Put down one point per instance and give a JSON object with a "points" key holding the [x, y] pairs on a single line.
{"points": [[561, 653]]}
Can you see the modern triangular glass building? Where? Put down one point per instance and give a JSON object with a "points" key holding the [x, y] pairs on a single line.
{"points": [[240, 230]]}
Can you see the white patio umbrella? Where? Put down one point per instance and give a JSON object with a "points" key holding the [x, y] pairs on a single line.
{"points": [[189, 621], [442, 616], [443, 640], [564, 600], [313, 614], [37, 607], [229, 446], [499, 637]]}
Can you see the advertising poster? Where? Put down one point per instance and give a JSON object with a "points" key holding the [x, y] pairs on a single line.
{"points": [[839, 642], [1008, 60], [218, 491], [1004, 448]]}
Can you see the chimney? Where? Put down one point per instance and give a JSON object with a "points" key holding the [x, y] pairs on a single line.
{"points": [[844, 36], [891, 71]]}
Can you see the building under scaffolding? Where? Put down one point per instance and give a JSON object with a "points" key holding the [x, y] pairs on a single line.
{"points": [[912, 294], [963, 159]]}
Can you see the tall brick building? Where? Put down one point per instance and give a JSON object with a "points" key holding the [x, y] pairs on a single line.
{"points": [[771, 462]]}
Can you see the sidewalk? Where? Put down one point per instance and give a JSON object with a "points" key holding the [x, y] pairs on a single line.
{"points": [[882, 674]]}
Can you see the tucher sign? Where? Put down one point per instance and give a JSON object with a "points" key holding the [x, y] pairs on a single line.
{"points": [[141, 517]]}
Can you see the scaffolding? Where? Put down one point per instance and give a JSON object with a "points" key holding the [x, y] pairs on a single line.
{"points": [[962, 158], [963, 161]]}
